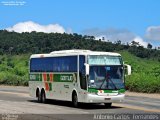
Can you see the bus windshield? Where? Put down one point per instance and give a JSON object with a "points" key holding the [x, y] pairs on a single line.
{"points": [[104, 60], [106, 72], [106, 77]]}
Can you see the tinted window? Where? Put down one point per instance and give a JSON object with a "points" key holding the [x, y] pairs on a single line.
{"points": [[82, 72], [54, 64]]}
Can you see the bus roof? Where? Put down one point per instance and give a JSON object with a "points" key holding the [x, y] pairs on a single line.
{"points": [[73, 52]]}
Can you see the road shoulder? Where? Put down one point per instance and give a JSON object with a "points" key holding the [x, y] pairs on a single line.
{"points": [[148, 95]]}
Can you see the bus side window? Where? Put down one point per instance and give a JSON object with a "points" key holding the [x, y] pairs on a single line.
{"points": [[82, 76]]}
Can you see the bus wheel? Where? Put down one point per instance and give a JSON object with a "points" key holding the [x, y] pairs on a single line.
{"points": [[38, 95], [43, 96], [75, 100], [108, 105]]}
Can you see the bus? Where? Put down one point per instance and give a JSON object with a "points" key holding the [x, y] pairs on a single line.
{"points": [[79, 76]]}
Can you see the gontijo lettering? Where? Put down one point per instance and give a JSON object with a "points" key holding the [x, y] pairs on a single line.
{"points": [[66, 78]]}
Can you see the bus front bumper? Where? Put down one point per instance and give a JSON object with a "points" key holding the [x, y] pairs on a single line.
{"points": [[93, 98]]}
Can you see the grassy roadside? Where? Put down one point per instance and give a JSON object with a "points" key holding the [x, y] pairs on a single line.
{"points": [[145, 74], [14, 69]]}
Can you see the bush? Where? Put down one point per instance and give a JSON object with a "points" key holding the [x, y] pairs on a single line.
{"points": [[11, 79], [145, 74], [14, 70], [141, 82]]}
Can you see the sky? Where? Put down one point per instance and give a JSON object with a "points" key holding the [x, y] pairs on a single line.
{"points": [[124, 20]]}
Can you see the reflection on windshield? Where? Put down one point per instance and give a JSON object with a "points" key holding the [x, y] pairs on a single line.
{"points": [[106, 77]]}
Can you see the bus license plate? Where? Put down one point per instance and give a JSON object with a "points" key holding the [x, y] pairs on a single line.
{"points": [[107, 98]]}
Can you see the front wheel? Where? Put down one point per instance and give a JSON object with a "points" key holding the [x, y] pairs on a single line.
{"points": [[108, 105], [75, 100]]}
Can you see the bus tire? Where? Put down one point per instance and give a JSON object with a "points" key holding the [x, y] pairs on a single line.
{"points": [[108, 105], [74, 100], [38, 95], [43, 96]]}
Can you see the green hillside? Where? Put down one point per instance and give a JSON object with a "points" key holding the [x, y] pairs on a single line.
{"points": [[145, 74]]}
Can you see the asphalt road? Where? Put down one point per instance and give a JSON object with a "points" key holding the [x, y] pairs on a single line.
{"points": [[16, 103]]}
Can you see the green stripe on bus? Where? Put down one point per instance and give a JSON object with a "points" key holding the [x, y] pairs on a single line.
{"points": [[37, 77], [122, 91], [50, 86], [63, 77], [93, 90], [110, 91], [56, 78], [40, 77]]}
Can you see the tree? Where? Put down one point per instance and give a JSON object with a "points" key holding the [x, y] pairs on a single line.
{"points": [[103, 38], [39, 42], [149, 46], [134, 43], [118, 42]]}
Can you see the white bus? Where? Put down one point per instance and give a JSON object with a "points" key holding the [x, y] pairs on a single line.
{"points": [[80, 76]]}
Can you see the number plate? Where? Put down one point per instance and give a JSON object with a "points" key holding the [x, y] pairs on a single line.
{"points": [[107, 98]]}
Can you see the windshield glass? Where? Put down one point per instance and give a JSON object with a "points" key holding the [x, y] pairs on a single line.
{"points": [[106, 77], [104, 60]]}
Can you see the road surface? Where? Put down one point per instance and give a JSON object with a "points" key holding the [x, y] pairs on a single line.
{"points": [[16, 103]]}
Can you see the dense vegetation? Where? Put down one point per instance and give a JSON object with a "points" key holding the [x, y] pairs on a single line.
{"points": [[16, 43], [145, 74], [14, 69], [15, 49]]}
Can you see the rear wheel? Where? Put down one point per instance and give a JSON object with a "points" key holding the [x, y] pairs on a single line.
{"points": [[43, 97], [108, 105], [75, 100], [38, 96]]}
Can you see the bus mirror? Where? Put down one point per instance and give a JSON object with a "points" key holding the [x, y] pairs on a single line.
{"points": [[87, 68], [128, 69]]}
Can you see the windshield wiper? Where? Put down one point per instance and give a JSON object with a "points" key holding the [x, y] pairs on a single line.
{"points": [[113, 84], [103, 83], [107, 79]]}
